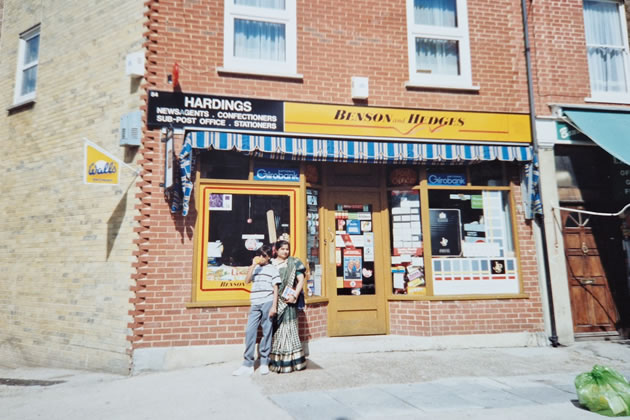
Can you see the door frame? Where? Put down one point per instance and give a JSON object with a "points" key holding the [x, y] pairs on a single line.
{"points": [[378, 301]]}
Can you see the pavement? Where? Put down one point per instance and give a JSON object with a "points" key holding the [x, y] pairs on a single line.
{"points": [[346, 378]]}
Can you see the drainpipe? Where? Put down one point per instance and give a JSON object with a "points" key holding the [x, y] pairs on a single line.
{"points": [[541, 217]]}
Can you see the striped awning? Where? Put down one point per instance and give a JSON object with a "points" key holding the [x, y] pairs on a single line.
{"points": [[337, 150]]}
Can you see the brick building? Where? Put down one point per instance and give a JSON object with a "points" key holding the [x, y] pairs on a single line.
{"points": [[388, 142], [581, 71], [66, 247], [378, 136]]}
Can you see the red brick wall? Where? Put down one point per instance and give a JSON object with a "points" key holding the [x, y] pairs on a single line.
{"points": [[559, 58], [336, 40]]}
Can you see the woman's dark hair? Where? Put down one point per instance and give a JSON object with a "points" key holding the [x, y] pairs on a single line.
{"points": [[281, 243], [265, 251]]}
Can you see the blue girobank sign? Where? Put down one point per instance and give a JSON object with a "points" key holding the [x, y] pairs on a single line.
{"points": [[447, 179], [276, 174]]}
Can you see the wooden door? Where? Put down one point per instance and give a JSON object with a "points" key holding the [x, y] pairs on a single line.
{"points": [[354, 263], [592, 305]]}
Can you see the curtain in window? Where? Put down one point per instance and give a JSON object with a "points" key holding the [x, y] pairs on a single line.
{"points": [[269, 4], [435, 12], [259, 40], [606, 58], [437, 56]]}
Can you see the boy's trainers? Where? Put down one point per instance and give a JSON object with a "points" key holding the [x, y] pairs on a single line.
{"points": [[264, 369], [243, 370]]}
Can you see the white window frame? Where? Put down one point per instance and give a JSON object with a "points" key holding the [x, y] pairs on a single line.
{"points": [[18, 98], [608, 97], [286, 17], [460, 34]]}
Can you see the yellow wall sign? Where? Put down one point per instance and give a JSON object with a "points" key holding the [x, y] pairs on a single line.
{"points": [[100, 167], [385, 123]]}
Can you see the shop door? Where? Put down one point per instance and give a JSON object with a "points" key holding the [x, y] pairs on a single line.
{"points": [[592, 305], [354, 264]]}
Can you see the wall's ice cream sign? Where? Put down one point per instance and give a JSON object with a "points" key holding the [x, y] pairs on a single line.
{"points": [[100, 167]]}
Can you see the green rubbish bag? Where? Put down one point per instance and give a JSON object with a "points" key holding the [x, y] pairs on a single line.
{"points": [[604, 391]]}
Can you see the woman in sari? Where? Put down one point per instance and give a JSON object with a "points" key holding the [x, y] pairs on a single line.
{"points": [[287, 353]]}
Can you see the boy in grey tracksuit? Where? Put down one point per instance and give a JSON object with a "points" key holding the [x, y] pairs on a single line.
{"points": [[265, 279]]}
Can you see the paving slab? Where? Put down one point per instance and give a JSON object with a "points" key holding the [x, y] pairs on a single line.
{"points": [[429, 396], [313, 406], [373, 402]]}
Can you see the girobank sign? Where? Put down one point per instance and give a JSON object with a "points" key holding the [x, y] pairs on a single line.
{"points": [[447, 179], [277, 174]]}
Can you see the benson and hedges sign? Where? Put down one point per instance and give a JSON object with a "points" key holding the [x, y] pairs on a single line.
{"points": [[246, 115]]}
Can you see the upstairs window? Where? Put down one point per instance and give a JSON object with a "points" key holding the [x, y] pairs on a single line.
{"points": [[27, 62], [607, 49], [260, 37], [439, 48]]}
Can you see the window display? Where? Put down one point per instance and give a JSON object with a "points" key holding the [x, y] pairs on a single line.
{"points": [[407, 248], [241, 223], [471, 242], [354, 249], [236, 222]]}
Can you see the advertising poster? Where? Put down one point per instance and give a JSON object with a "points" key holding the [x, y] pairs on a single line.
{"points": [[352, 268], [353, 227], [446, 238], [221, 202]]}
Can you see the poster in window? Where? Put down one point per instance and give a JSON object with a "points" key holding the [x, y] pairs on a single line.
{"points": [[221, 202], [445, 232], [352, 268], [353, 227]]}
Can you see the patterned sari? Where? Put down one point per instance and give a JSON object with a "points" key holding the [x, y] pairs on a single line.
{"points": [[287, 353]]}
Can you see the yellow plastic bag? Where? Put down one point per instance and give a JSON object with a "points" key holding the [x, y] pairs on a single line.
{"points": [[604, 391]]}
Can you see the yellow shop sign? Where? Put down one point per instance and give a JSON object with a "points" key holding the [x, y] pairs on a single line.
{"points": [[386, 123], [100, 167]]}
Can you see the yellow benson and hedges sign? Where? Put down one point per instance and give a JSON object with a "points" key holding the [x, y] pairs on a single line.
{"points": [[368, 122]]}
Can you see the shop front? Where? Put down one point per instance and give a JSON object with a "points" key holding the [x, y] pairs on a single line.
{"points": [[389, 208]]}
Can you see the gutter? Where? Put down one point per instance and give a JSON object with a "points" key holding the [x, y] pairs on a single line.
{"points": [[540, 218]]}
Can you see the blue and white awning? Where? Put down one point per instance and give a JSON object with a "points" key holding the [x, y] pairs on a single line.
{"points": [[329, 150]]}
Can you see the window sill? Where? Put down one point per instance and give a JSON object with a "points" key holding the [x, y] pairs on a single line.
{"points": [[245, 302], [609, 100], [316, 299], [438, 86], [23, 104], [458, 297], [251, 72]]}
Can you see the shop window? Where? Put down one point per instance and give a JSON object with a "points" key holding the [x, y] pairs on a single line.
{"points": [[260, 37], [314, 280], [28, 62], [605, 29], [438, 43], [224, 165], [406, 241], [235, 221], [472, 245]]}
